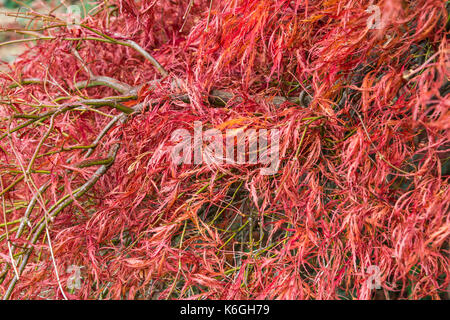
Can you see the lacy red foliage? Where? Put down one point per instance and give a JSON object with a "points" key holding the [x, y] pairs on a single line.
{"points": [[364, 150]]}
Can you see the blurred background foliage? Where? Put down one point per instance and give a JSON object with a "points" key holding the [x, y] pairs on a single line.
{"points": [[7, 20]]}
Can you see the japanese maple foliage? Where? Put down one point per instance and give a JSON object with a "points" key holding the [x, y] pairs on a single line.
{"points": [[87, 179]]}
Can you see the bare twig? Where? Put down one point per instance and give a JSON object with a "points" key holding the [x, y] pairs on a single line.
{"points": [[113, 102], [115, 84]]}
